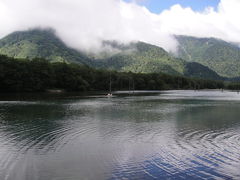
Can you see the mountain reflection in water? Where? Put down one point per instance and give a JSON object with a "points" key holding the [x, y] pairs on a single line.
{"points": [[161, 135]]}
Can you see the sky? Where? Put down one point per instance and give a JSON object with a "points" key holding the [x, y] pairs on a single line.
{"points": [[84, 24], [157, 6]]}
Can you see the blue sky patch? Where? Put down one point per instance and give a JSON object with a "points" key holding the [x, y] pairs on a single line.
{"points": [[157, 6]]}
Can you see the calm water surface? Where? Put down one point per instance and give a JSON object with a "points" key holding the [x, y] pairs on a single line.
{"points": [[165, 135]]}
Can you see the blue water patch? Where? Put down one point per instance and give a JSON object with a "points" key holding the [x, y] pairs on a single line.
{"points": [[157, 168]]}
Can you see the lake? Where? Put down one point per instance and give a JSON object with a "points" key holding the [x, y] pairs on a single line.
{"points": [[151, 135]]}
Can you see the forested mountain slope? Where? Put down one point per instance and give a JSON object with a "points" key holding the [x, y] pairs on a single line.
{"points": [[137, 57], [218, 55], [39, 43]]}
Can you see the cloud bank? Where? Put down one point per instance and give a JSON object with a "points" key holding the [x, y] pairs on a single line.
{"points": [[84, 24]]}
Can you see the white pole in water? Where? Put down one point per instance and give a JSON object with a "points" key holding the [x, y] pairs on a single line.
{"points": [[129, 86], [133, 86], [237, 87], [110, 86], [110, 83]]}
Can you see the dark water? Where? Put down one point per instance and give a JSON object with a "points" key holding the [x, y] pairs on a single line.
{"points": [[171, 135]]}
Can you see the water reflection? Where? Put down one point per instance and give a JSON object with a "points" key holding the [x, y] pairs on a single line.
{"points": [[174, 135]]}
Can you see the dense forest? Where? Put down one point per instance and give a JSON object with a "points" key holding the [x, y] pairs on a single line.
{"points": [[137, 57], [39, 75], [220, 56]]}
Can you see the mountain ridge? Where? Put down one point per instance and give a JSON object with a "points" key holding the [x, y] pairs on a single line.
{"points": [[40, 43], [137, 57], [221, 56]]}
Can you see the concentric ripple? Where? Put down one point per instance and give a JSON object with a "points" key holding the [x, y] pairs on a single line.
{"points": [[171, 135], [191, 155]]}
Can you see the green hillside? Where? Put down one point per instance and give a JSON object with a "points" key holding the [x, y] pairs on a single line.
{"points": [[137, 57], [39, 75], [39, 43], [193, 69], [220, 56], [145, 58]]}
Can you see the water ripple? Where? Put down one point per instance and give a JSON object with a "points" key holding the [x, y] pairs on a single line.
{"points": [[121, 138]]}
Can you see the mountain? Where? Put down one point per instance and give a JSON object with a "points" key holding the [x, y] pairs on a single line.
{"points": [[193, 69], [138, 57], [40, 43], [220, 56]]}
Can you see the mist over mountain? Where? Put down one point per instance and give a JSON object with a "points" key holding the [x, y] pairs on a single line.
{"points": [[83, 25], [40, 43], [119, 89], [138, 57]]}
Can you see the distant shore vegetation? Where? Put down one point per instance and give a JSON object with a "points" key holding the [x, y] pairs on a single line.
{"points": [[39, 75]]}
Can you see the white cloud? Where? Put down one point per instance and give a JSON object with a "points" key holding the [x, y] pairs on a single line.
{"points": [[83, 24]]}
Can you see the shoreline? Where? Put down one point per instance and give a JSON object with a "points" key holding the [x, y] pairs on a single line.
{"points": [[57, 95]]}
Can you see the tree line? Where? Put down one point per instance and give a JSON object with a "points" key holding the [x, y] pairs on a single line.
{"points": [[38, 75]]}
